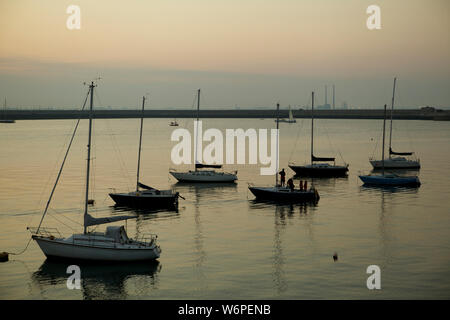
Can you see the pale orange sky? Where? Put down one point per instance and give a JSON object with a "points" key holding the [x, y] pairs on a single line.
{"points": [[273, 42]]}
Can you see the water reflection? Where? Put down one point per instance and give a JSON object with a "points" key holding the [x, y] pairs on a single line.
{"points": [[287, 209], [400, 172], [102, 281], [283, 213], [205, 190], [389, 189], [278, 257], [145, 214]]}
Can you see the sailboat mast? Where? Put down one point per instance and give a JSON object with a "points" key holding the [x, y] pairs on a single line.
{"points": [[140, 144], [392, 112], [384, 129], [312, 126], [88, 167], [276, 151], [196, 133]]}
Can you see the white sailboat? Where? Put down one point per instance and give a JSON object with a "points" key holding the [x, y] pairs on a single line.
{"points": [[203, 175], [396, 160], [291, 118], [388, 179], [111, 245]]}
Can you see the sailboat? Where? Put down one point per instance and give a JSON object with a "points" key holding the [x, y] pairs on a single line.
{"points": [[396, 160], [111, 245], [149, 197], [282, 193], [321, 169], [390, 179], [203, 175], [4, 119], [291, 118]]}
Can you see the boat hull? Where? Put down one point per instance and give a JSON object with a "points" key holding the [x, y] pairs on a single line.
{"points": [[204, 176], [320, 171], [59, 249], [284, 194], [390, 181], [7, 121], [142, 201], [395, 164]]}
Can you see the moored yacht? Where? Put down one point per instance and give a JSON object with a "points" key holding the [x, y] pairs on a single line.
{"points": [[279, 193], [319, 166], [149, 197], [396, 160], [111, 245], [389, 179], [203, 175]]}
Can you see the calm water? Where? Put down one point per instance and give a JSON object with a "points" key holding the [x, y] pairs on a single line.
{"points": [[221, 244]]}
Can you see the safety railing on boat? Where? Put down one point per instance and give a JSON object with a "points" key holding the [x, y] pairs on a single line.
{"points": [[45, 232], [147, 238]]}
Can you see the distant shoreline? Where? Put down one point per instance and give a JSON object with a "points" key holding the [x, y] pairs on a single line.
{"points": [[405, 114]]}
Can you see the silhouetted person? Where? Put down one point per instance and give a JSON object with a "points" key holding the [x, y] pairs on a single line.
{"points": [[305, 186], [283, 177], [290, 184], [301, 185]]}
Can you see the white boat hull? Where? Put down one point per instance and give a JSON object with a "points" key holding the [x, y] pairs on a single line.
{"points": [[204, 176], [395, 163], [63, 249]]}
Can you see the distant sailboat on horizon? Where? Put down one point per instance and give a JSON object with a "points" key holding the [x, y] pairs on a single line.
{"points": [[290, 119]]}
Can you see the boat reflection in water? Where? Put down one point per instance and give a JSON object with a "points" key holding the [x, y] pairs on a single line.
{"points": [[98, 282], [282, 214]]}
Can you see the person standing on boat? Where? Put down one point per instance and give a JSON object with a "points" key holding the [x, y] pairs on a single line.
{"points": [[282, 177], [290, 184]]}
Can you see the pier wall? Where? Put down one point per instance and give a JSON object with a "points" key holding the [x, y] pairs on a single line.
{"points": [[412, 114]]}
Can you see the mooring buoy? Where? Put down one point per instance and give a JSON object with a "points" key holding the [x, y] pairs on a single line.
{"points": [[4, 256]]}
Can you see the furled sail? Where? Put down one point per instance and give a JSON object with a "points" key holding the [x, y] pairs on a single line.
{"points": [[143, 186], [201, 165], [91, 221], [400, 153], [321, 159]]}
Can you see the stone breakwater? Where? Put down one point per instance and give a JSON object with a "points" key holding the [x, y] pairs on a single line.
{"points": [[405, 114]]}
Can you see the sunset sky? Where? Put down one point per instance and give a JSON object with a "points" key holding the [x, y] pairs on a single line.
{"points": [[250, 53]]}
